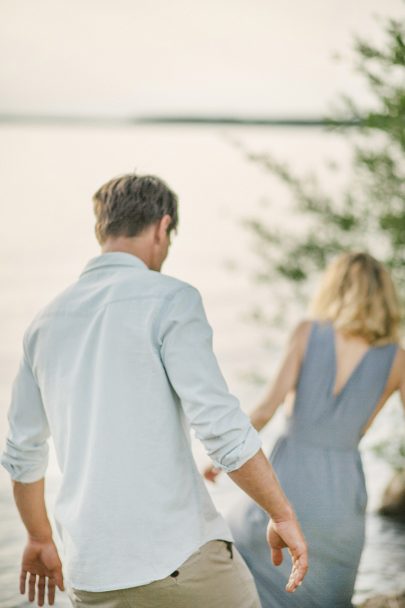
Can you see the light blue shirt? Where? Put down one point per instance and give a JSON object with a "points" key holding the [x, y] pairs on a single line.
{"points": [[116, 368]]}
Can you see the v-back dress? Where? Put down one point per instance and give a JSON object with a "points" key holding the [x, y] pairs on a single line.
{"points": [[319, 467]]}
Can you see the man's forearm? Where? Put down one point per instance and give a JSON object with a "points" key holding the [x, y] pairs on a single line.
{"points": [[257, 478], [30, 501]]}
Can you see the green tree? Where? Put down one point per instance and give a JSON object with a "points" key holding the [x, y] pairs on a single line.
{"points": [[369, 211]]}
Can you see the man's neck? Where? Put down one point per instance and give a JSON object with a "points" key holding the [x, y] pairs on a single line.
{"points": [[137, 247]]}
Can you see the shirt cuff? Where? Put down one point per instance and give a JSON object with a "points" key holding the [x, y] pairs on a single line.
{"points": [[236, 458], [25, 465]]}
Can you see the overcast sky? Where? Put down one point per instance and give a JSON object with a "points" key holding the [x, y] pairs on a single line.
{"points": [[136, 57]]}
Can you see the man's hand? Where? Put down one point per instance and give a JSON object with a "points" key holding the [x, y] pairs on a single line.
{"points": [[40, 559], [42, 564], [288, 534]]}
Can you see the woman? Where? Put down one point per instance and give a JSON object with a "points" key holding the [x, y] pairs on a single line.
{"points": [[339, 369]]}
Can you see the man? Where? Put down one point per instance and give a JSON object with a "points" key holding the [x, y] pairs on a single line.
{"points": [[115, 369]]}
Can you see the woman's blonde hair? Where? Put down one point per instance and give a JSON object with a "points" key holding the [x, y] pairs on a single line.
{"points": [[358, 296]]}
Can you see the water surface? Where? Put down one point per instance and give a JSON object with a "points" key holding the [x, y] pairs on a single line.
{"points": [[49, 175]]}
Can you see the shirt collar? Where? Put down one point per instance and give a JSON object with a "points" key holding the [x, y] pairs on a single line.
{"points": [[114, 258]]}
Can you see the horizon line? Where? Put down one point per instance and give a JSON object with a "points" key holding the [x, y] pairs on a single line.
{"points": [[179, 119]]}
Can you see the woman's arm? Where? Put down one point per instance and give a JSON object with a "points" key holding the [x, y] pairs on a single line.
{"points": [[395, 382], [284, 382], [402, 382], [286, 377]]}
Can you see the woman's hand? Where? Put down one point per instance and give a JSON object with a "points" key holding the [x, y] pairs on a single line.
{"points": [[42, 563], [211, 473]]}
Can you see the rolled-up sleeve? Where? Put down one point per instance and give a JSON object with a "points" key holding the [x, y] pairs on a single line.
{"points": [[26, 452], [185, 340]]}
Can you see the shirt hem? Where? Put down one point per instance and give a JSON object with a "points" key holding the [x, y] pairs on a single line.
{"points": [[129, 585]]}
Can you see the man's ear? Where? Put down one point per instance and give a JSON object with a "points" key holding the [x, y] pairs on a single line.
{"points": [[163, 226]]}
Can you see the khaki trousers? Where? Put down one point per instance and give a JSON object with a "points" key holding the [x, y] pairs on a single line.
{"points": [[214, 577]]}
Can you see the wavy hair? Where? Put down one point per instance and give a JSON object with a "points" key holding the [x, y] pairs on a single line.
{"points": [[358, 296]]}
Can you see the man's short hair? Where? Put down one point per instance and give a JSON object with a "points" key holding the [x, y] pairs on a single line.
{"points": [[126, 205]]}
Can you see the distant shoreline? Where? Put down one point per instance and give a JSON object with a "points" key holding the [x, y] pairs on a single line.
{"points": [[196, 120]]}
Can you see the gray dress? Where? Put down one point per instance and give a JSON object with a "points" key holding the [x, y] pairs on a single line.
{"points": [[319, 467]]}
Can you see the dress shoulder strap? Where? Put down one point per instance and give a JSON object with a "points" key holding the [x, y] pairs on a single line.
{"points": [[317, 363]]}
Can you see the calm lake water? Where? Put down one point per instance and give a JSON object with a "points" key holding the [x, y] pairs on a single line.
{"points": [[46, 237]]}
